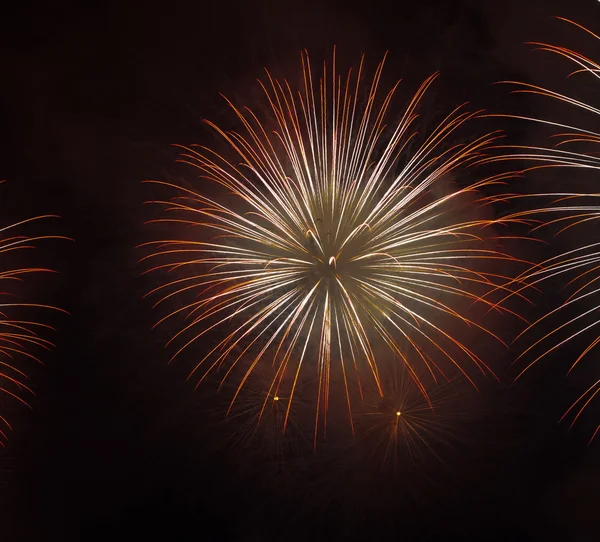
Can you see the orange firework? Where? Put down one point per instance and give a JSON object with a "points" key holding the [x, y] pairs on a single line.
{"points": [[331, 231], [568, 209], [20, 336]]}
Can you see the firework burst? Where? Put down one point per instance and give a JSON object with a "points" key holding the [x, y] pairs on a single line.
{"points": [[258, 415], [576, 147], [403, 427], [20, 335], [333, 232]]}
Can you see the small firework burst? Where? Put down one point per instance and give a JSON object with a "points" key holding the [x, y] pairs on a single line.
{"points": [[258, 415], [404, 429]]}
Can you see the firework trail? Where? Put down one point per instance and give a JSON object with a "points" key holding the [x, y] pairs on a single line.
{"points": [[576, 147], [332, 232], [20, 335]]}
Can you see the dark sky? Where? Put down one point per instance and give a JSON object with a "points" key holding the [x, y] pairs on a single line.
{"points": [[118, 444]]}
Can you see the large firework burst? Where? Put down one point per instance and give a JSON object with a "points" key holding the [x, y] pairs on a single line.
{"points": [[335, 236], [20, 334], [579, 266]]}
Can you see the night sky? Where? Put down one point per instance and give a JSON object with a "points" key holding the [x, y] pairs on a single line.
{"points": [[118, 445]]}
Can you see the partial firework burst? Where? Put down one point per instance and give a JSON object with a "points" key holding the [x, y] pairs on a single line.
{"points": [[335, 232], [20, 335], [580, 265]]}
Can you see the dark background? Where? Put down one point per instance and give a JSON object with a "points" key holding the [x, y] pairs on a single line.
{"points": [[118, 445]]}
